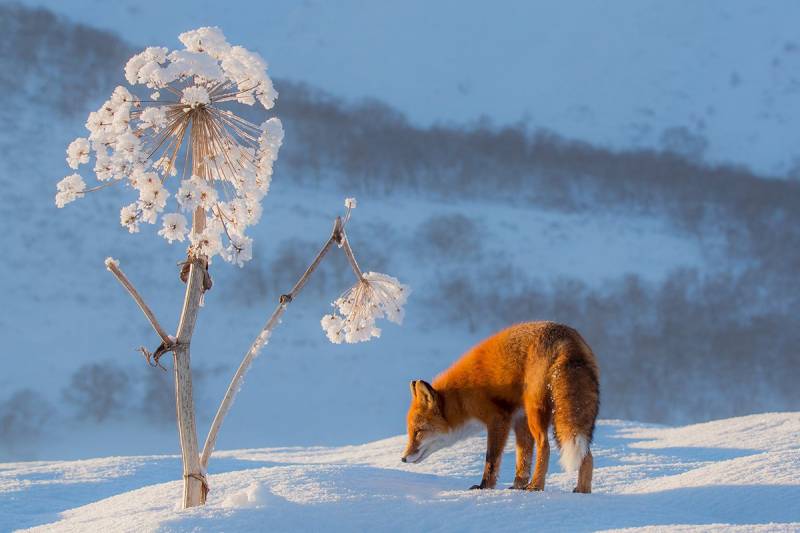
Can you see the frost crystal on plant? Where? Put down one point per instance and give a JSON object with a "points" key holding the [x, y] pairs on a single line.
{"points": [[373, 297], [78, 152], [186, 134], [69, 189], [239, 251], [129, 217], [174, 228]]}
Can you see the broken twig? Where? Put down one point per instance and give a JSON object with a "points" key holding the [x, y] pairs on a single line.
{"points": [[113, 266]]}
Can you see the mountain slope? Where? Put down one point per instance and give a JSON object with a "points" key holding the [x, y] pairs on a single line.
{"points": [[718, 77], [675, 271]]}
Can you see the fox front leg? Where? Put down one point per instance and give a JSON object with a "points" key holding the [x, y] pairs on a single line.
{"points": [[495, 443]]}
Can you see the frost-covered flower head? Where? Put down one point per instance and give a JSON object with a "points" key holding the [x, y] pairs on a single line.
{"points": [[372, 297], [186, 133]]}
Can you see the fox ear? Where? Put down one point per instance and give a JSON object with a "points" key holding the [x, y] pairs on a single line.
{"points": [[424, 390], [413, 386]]}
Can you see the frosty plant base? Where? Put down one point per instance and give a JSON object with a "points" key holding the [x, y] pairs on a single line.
{"points": [[195, 465]]}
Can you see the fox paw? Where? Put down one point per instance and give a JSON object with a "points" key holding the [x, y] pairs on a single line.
{"points": [[481, 486], [518, 485], [534, 488]]}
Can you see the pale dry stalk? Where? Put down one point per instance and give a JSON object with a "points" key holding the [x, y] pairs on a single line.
{"points": [[337, 237]]}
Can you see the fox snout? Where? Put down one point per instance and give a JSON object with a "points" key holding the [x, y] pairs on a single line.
{"points": [[410, 455], [415, 452]]}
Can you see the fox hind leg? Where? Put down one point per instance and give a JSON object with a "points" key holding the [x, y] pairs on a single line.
{"points": [[584, 485], [539, 422], [524, 453]]}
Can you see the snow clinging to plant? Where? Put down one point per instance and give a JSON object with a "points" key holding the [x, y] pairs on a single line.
{"points": [[373, 297], [185, 139]]}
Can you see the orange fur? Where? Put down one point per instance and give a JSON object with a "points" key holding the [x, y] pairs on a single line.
{"points": [[522, 378]]}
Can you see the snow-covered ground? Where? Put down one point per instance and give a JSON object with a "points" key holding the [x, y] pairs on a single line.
{"points": [[736, 474]]}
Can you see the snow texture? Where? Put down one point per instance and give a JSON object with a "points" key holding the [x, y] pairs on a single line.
{"points": [[740, 474]]}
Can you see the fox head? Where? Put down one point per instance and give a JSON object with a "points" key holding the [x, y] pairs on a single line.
{"points": [[428, 430]]}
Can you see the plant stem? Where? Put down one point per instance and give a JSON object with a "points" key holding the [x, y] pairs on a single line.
{"points": [[195, 487], [337, 236], [350, 257]]}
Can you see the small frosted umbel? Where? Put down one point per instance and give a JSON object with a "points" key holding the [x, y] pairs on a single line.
{"points": [[373, 297]]}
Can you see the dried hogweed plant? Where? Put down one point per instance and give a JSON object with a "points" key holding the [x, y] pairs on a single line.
{"points": [[189, 135]]}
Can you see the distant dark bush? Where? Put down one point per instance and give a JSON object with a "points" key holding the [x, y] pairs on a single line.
{"points": [[680, 141], [98, 391], [455, 236], [249, 285], [291, 260], [23, 417], [157, 404]]}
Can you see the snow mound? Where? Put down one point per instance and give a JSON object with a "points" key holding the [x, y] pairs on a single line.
{"points": [[255, 495], [741, 473]]}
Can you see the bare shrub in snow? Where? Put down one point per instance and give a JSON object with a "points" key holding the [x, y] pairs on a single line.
{"points": [[454, 236], [157, 400], [681, 141], [157, 403], [98, 391], [22, 418]]}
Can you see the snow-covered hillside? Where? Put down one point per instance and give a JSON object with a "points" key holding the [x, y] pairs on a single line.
{"points": [[674, 272], [619, 74], [740, 474]]}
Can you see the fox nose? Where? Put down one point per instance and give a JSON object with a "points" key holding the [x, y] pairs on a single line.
{"points": [[403, 459]]}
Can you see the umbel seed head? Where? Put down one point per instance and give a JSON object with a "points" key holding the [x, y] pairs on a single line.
{"points": [[189, 136]]}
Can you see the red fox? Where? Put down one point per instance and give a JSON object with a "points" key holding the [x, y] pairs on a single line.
{"points": [[522, 377]]}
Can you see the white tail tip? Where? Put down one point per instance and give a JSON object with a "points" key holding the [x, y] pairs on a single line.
{"points": [[573, 452]]}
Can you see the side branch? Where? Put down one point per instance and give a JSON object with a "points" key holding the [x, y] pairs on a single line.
{"points": [[113, 266], [345, 244], [337, 236]]}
